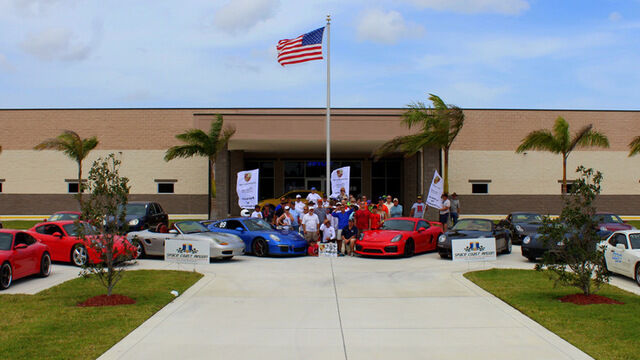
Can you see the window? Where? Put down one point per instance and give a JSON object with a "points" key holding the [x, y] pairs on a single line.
{"points": [[1, 182], [296, 172], [165, 188], [266, 182], [422, 224], [480, 186], [72, 187], [386, 178]]}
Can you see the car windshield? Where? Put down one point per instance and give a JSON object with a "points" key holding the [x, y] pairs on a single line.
{"points": [[5, 241], [608, 219], [257, 225], [73, 229], [191, 227], [63, 216], [634, 239], [402, 225], [135, 209], [473, 225], [527, 218]]}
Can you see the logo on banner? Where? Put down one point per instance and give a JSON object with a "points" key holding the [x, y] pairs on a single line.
{"points": [[437, 179], [474, 246], [247, 177], [339, 172], [187, 249]]}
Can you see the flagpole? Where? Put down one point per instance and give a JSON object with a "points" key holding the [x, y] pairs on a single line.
{"points": [[328, 121]]}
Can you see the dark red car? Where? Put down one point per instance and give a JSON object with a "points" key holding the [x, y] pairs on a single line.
{"points": [[400, 236], [611, 222], [21, 255], [62, 239]]}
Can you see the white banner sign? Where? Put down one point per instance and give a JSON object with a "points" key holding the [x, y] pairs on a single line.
{"points": [[247, 188], [434, 199], [328, 250], [339, 180], [187, 252], [481, 249]]}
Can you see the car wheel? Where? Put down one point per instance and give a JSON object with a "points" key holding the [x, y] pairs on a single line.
{"points": [[638, 274], [227, 258], [409, 248], [260, 247], [139, 249], [509, 247], [444, 255], [6, 276], [531, 258], [45, 265], [79, 256]]}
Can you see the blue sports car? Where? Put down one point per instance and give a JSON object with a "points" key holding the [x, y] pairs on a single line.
{"points": [[259, 237]]}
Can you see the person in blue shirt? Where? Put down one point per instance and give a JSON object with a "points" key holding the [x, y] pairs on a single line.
{"points": [[342, 213], [396, 209], [296, 217]]}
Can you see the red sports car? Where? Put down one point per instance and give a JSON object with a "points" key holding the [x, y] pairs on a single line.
{"points": [[62, 238], [21, 255], [400, 236]]}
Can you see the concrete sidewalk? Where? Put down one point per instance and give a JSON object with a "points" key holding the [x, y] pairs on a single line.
{"points": [[344, 308]]}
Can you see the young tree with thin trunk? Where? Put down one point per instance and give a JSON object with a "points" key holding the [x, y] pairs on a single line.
{"points": [[199, 143], [634, 146], [559, 141], [75, 147], [439, 126]]}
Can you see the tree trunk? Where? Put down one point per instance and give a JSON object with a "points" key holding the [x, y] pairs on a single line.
{"points": [[80, 187], [564, 174], [212, 186], [446, 170]]}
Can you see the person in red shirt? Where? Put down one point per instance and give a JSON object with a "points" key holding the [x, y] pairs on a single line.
{"points": [[376, 218], [363, 217]]}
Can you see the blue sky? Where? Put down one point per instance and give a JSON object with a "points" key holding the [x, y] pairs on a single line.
{"points": [[565, 54]]}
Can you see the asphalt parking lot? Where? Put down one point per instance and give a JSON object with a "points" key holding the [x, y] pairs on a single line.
{"points": [[341, 308]]}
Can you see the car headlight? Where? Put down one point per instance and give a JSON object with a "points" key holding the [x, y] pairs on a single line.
{"points": [[560, 243], [134, 222], [396, 238], [519, 228], [603, 228], [274, 237], [442, 238], [220, 242], [361, 236], [526, 240]]}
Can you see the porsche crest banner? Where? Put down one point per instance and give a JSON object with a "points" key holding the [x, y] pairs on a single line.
{"points": [[340, 179], [434, 199], [187, 251], [247, 188], [480, 249]]}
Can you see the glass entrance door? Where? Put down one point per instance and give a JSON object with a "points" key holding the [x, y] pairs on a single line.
{"points": [[318, 183]]}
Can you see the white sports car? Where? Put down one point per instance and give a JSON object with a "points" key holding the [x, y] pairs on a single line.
{"points": [[622, 253]]}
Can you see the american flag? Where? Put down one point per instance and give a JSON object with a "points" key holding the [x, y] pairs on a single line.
{"points": [[305, 47]]}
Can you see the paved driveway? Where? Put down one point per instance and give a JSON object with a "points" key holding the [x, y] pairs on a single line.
{"points": [[344, 308]]}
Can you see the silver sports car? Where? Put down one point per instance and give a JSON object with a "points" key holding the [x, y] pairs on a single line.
{"points": [[149, 242]]}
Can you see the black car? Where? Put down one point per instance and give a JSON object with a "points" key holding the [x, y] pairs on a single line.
{"points": [[473, 229], [142, 215], [522, 224], [534, 245]]}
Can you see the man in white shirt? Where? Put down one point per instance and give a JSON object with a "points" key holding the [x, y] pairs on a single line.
{"points": [[328, 232], [313, 196], [299, 205], [389, 203], [444, 211], [310, 226], [256, 213]]}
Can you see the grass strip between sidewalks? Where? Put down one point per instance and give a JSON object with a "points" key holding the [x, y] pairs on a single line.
{"points": [[602, 331], [49, 325]]}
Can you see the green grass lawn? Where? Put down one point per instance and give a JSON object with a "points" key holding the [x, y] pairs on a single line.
{"points": [[19, 224], [49, 325], [635, 223], [602, 331]]}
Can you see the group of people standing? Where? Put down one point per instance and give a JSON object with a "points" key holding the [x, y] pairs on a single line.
{"points": [[341, 219]]}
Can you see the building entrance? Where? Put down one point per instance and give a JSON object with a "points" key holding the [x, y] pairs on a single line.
{"points": [[318, 183]]}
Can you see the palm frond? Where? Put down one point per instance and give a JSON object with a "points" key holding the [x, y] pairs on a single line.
{"points": [[184, 151], [561, 133], [437, 102], [414, 143], [634, 146], [194, 137], [88, 145], [389, 147], [456, 121], [539, 140], [216, 127], [416, 115], [592, 138], [226, 134]]}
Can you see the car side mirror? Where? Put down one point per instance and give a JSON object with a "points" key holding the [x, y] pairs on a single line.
{"points": [[421, 229], [57, 234], [239, 229], [20, 246], [173, 231], [620, 247]]}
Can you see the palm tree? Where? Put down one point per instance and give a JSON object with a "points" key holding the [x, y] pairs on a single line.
{"points": [[560, 142], [76, 148], [204, 144], [634, 145], [439, 126]]}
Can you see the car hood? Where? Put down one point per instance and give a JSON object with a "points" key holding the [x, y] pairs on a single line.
{"points": [[615, 226], [381, 235], [470, 234], [529, 228], [222, 237]]}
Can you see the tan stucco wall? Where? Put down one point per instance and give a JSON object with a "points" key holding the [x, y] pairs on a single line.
{"points": [[539, 172], [44, 172]]}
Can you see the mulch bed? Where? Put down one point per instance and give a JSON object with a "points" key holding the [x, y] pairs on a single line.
{"points": [[582, 299], [104, 300]]}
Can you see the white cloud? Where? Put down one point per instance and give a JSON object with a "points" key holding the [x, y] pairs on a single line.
{"points": [[239, 15], [386, 27], [615, 16], [505, 7], [58, 43]]}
